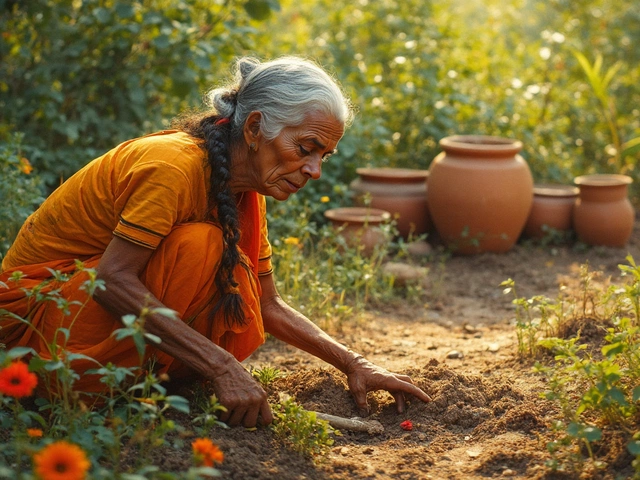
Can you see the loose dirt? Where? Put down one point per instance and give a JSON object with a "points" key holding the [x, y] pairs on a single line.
{"points": [[487, 418]]}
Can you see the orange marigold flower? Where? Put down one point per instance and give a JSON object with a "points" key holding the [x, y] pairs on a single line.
{"points": [[34, 432], [17, 381], [61, 461], [206, 452]]}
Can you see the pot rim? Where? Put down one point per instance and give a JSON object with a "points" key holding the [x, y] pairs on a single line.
{"points": [[482, 143], [358, 214], [555, 190], [603, 180], [392, 175]]}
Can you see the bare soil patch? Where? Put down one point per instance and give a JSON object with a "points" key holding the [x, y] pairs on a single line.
{"points": [[486, 420]]}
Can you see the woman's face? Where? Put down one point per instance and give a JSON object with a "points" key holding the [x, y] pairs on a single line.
{"points": [[285, 164]]}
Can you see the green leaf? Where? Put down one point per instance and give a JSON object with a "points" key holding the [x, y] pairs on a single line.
{"points": [[636, 394], [51, 366], [631, 147], [634, 447], [153, 338], [102, 15], [179, 403], [17, 352], [161, 42], [618, 396], [258, 9], [124, 11], [592, 434], [613, 349]]}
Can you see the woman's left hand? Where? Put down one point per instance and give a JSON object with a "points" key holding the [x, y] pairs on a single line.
{"points": [[363, 377]]}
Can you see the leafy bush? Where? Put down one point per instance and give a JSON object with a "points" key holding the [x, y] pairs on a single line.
{"points": [[78, 77], [20, 190]]}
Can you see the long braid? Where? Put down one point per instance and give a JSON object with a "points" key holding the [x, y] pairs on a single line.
{"points": [[222, 201]]}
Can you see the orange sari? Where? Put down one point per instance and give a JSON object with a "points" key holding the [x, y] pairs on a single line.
{"points": [[180, 272]]}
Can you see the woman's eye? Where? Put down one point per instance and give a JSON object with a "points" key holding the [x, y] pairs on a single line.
{"points": [[303, 150]]}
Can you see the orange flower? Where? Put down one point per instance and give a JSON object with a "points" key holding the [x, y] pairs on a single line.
{"points": [[34, 432], [61, 461], [25, 166], [17, 381], [206, 452]]}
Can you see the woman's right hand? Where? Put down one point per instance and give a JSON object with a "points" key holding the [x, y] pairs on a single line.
{"points": [[242, 396]]}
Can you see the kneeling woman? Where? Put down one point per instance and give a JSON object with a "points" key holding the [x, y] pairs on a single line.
{"points": [[176, 219]]}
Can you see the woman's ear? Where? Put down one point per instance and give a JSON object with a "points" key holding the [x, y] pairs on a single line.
{"points": [[251, 130]]}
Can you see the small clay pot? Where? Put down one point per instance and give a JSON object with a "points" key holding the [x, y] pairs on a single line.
{"points": [[552, 208], [360, 226], [400, 191], [603, 214]]}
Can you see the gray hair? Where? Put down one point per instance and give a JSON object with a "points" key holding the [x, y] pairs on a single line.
{"points": [[284, 90]]}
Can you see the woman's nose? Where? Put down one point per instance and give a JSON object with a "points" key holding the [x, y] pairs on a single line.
{"points": [[313, 167]]}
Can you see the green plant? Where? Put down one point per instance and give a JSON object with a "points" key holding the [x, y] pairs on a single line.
{"points": [[120, 433], [266, 375], [596, 390], [20, 189], [301, 429], [618, 150], [535, 317]]}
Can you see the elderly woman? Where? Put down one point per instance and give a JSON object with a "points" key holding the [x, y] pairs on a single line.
{"points": [[176, 219]]}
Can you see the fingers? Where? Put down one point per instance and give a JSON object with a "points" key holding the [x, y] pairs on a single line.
{"points": [[359, 393], [400, 402], [265, 413]]}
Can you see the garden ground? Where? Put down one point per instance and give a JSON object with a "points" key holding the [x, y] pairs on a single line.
{"points": [[486, 418]]}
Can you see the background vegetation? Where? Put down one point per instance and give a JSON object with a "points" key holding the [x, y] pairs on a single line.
{"points": [[79, 76]]}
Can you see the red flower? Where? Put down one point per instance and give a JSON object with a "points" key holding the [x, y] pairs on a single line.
{"points": [[406, 425], [17, 381]]}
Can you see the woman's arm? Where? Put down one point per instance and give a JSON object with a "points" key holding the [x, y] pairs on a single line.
{"points": [[120, 268], [290, 326]]}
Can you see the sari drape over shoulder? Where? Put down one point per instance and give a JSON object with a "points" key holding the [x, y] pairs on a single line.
{"points": [[150, 191]]}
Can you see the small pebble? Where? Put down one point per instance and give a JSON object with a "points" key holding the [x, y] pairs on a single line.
{"points": [[368, 450], [508, 473], [455, 354]]}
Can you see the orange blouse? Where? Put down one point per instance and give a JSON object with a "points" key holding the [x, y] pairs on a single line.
{"points": [[138, 191]]}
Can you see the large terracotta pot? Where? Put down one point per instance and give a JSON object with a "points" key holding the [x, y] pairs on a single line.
{"points": [[552, 210], [603, 214], [400, 191], [480, 192], [360, 226]]}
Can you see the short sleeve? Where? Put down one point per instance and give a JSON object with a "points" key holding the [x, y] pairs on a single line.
{"points": [[151, 198], [264, 258]]}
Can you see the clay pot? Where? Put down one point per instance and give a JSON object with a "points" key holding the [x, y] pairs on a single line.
{"points": [[480, 193], [360, 226], [552, 208], [603, 214], [400, 191]]}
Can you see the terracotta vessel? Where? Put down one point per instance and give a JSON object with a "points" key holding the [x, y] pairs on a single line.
{"points": [[360, 226], [480, 193], [552, 209], [400, 191], [603, 214]]}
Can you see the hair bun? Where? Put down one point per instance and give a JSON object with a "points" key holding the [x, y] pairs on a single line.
{"points": [[246, 65]]}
